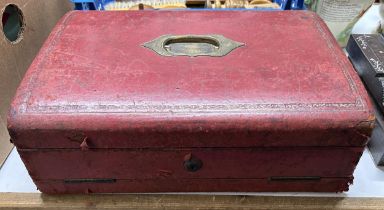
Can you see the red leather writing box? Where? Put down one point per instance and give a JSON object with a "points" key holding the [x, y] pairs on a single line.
{"points": [[161, 101]]}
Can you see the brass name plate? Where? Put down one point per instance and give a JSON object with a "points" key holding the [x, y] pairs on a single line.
{"points": [[192, 45]]}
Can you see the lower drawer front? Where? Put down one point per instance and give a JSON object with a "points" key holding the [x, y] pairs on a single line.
{"points": [[195, 185], [191, 163]]}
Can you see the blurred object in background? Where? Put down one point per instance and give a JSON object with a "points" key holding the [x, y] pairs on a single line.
{"points": [[381, 13], [145, 4], [217, 4], [370, 22], [24, 26], [340, 15], [188, 4], [366, 51]]}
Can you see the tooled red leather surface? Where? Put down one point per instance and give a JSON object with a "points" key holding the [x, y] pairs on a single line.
{"points": [[290, 84]]}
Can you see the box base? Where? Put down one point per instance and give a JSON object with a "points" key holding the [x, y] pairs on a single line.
{"points": [[196, 185]]}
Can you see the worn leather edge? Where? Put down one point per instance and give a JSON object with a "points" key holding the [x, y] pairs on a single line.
{"points": [[335, 185]]}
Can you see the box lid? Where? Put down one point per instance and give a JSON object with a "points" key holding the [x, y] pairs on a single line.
{"points": [[190, 79]]}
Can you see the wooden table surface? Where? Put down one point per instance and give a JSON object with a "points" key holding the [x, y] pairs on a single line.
{"points": [[182, 202]]}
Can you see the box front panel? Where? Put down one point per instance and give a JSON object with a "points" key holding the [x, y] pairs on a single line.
{"points": [[191, 163]]}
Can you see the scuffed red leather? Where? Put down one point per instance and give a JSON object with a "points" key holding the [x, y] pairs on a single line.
{"points": [[289, 86]]}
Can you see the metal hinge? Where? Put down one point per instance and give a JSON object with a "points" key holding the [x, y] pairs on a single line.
{"points": [[76, 181], [294, 178]]}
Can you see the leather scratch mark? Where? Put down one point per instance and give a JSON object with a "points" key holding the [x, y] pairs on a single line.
{"points": [[26, 3], [84, 58], [135, 63]]}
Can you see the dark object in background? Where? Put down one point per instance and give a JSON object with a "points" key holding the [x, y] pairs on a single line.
{"points": [[12, 22], [366, 51], [210, 108]]}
